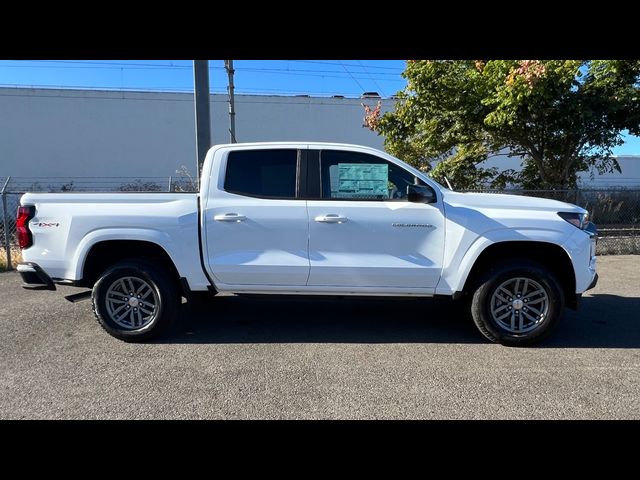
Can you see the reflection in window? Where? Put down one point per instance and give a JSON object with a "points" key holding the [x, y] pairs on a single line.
{"points": [[262, 173], [359, 176]]}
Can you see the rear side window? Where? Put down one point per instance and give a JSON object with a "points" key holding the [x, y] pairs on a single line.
{"points": [[262, 173]]}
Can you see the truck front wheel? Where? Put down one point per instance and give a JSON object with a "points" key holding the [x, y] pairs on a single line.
{"points": [[135, 300], [518, 303]]}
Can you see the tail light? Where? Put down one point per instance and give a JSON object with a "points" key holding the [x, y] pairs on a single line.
{"points": [[25, 240]]}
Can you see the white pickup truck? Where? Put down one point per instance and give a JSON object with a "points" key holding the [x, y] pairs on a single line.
{"points": [[311, 219]]}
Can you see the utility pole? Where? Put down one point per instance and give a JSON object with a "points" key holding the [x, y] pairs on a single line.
{"points": [[228, 65], [203, 117]]}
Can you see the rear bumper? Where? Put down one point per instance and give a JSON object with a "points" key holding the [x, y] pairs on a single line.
{"points": [[594, 282], [34, 278]]}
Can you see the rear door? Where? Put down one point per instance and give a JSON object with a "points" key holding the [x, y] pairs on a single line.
{"points": [[363, 232], [256, 227]]}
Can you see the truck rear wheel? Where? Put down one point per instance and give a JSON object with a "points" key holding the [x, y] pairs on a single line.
{"points": [[135, 300], [518, 303]]}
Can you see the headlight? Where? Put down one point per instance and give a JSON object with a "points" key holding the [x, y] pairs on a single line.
{"points": [[579, 220]]}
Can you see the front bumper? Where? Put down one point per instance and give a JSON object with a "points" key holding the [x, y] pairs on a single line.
{"points": [[34, 278], [581, 247], [593, 238]]}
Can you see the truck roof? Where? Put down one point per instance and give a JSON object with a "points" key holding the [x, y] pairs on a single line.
{"points": [[290, 143]]}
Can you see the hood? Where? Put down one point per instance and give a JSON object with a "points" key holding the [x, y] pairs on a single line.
{"points": [[503, 201]]}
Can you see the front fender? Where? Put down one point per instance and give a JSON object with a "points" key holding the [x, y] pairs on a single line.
{"points": [[460, 261]]}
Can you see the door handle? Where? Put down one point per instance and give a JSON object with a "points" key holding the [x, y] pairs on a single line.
{"points": [[229, 217], [331, 218]]}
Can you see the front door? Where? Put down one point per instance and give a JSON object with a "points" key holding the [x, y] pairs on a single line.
{"points": [[364, 233], [256, 228]]}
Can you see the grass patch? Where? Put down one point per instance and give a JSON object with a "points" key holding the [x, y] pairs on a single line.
{"points": [[16, 257]]}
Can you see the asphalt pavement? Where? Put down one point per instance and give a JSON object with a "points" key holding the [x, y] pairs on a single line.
{"points": [[238, 358]]}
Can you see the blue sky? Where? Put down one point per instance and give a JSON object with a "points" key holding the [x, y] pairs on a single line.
{"points": [[285, 77]]}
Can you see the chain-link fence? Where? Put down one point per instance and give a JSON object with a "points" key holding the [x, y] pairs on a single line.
{"points": [[610, 207], [178, 183], [616, 212], [9, 251]]}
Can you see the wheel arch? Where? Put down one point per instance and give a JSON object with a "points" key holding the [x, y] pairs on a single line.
{"points": [[85, 247], [105, 253], [547, 254]]}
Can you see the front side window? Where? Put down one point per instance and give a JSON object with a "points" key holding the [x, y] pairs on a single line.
{"points": [[360, 176], [262, 173]]}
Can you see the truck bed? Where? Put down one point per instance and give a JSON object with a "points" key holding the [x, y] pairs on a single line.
{"points": [[70, 224]]}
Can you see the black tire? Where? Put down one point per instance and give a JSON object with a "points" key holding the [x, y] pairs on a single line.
{"points": [[164, 293], [509, 271]]}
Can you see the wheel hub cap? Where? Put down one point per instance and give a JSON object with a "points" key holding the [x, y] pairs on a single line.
{"points": [[131, 303], [519, 305]]}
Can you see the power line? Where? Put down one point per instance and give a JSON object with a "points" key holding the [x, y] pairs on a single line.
{"points": [[354, 78], [248, 91], [374, 81], [277, 71], [99, 87], [291, 72], [142, 66], [308, 71], [119, 64], [315, 62], [347, 64]]}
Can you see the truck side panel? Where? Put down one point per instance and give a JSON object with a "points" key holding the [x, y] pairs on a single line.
{"points": [[66, 226], [470, 231]]}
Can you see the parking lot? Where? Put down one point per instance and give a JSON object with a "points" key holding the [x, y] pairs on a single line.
{"points": [[331, 358]]}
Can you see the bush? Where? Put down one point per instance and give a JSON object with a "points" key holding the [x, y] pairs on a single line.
{"points": [[140, 186], [612, 207]]}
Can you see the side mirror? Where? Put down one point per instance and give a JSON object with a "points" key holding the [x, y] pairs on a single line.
{"points": [[420, 194]]}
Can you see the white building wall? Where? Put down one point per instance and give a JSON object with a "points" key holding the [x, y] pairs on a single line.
{"points": [[77, 133], [630, 176], [70, 133], [629, 164]]}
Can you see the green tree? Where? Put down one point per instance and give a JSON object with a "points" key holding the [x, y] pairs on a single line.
{"points": [[560, 116]]}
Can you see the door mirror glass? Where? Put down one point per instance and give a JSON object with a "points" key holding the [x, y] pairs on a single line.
{"points": [[421, 194]]}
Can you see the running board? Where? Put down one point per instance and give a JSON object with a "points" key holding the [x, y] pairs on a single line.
{"points": [[78, 297]]}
